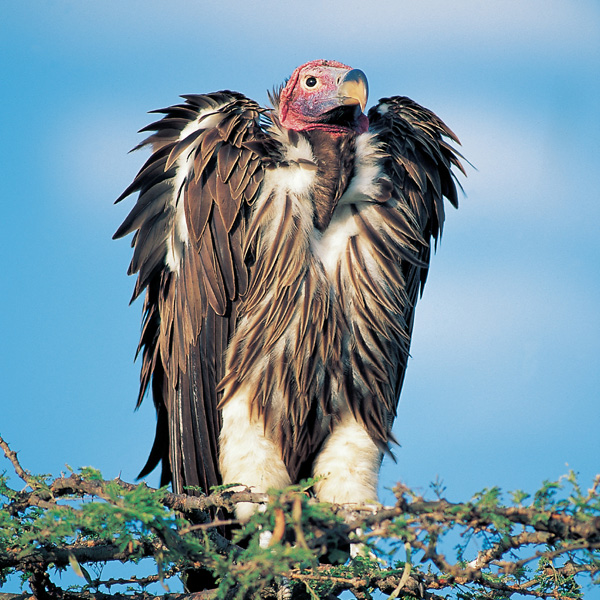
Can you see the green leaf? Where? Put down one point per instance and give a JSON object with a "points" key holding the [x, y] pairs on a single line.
{"points": [[75, 566]]}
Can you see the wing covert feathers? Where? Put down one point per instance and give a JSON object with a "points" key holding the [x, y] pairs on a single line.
{"points": [[420, 159]]}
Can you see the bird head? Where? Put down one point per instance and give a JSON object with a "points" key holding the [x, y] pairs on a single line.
{"points": [[325, 94]]}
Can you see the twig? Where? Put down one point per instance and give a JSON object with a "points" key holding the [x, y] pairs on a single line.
{"points": [[84, 552], [19, 470], [405, 574], [212, 525], [142, 581]]}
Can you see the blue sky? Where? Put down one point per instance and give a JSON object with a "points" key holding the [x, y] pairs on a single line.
{"points": [[504, 384]]}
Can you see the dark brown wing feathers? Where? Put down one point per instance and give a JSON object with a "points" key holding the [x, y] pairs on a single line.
{"points": [[419, 164], [191, 307]]}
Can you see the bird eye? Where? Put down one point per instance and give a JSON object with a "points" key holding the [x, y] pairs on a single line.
{"points": [[310, 82]]}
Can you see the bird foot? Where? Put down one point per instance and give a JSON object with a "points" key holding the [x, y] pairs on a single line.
{"points": [[284, 589]]}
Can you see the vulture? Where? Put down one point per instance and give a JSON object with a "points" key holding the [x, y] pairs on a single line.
{"points": [[281, 251]]}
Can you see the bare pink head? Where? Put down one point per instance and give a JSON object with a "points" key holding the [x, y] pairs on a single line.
{"points": [[325, 94]]}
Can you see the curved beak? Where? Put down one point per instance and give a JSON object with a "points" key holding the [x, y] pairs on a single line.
{"points": [[354, 89]]}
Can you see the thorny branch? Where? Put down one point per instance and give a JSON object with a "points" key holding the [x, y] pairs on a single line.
{"points": [[12, 457], [82, 519]]}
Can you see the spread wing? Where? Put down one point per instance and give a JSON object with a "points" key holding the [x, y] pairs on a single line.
{"points": [[418, 162], [190, 220]]}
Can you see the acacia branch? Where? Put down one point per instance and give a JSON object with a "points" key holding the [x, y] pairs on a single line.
{"points": [[84, 552], [78, 486], [53, 524], [19, 470]]}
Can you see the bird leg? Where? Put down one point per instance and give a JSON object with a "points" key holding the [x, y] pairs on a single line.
{"points": [[247, 455], [347, 469]]}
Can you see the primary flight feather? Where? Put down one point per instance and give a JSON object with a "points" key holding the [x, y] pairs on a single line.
{"points": [[282, 252]]}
